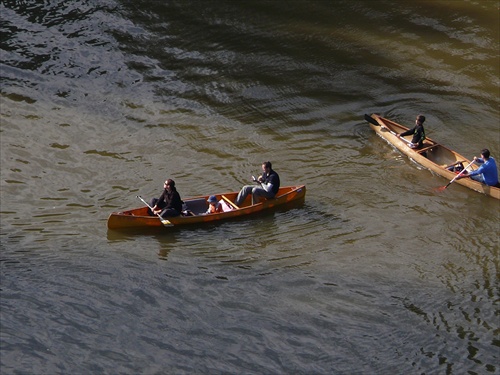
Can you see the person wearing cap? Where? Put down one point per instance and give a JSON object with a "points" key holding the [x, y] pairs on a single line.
{"points": [[269, 184], [213, 205], [487, 173], [169, 204], [418, 133]]}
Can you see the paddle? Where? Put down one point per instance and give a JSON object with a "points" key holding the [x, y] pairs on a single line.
{"points": [[165, 222], [371, 120], [229, 201], [442, 188], [257, 181], [262, 185]]}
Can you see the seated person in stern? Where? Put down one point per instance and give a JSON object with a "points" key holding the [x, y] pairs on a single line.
{"points": [[418, 133], [213, 205], [169, 204], [487, 173], [269, 185]]}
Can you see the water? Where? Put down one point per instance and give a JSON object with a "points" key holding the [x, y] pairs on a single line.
{"points": [[375, 273]]}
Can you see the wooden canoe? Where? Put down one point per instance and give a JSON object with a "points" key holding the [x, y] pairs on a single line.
{"points": [[196, 207], [432, 155]]}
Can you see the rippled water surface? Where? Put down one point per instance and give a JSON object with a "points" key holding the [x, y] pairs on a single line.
{"points": [[374, 274]]}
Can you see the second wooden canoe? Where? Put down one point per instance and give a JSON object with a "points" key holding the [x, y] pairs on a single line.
{"points": [[432, 155]]}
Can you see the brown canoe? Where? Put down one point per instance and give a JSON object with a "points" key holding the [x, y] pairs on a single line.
{"points": [[196, 207], [432, 155]]}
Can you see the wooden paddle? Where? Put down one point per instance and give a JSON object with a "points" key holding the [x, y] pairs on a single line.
{"points": [[165, 222], [442, 188], [371, 120], [229, 201]]}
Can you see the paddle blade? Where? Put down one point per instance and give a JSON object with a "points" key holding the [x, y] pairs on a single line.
{"points": [[440, 189], [371, 120], [167, 223]]}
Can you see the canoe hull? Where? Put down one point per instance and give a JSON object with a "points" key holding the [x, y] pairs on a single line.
{"points": [[139, 219], [432, 156]]}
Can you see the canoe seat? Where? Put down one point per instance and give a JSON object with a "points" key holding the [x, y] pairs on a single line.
{"points": [[196, 206], [421, 150]]}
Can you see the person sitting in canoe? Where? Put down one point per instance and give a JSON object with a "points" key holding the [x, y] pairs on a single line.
{"points": [[213, 205], [418, 133], [487, 173], [269, 184], [169, 204], [457, 167]]}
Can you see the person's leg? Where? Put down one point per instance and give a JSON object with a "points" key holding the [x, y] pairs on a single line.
{"points": [[245, 190], [258, 192], [478, 178], [169, 212]]}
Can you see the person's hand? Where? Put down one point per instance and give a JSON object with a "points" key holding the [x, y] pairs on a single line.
{"points": [[260, 179], [397, 135], [475, 158]]}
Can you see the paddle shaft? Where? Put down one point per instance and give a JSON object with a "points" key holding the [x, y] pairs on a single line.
{"points": [[229, 201], [163, 221], [458, 175], [371, 120], [257, 181]]}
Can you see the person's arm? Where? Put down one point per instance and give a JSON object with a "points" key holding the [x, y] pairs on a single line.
{"points": [[267, 186], [477, 171], [472, 173], [408, 132], [155, 208]]}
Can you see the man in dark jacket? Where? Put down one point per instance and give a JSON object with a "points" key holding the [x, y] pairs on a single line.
{"points": [[269, 184], [169, 204]]}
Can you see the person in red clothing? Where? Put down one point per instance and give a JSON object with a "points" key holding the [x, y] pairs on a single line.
{"points": [[213, 205]]}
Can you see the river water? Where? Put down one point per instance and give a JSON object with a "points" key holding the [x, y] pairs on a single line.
{"points": [[376, 273]]}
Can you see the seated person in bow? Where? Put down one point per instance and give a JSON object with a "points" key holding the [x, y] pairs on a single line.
{"points": [[169, 204], [418, 133]]}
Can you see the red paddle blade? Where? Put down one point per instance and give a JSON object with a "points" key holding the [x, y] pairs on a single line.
{"points": [[440, 189]]}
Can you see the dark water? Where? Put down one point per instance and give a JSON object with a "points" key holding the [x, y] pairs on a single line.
{"points": [[374, 274]]}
